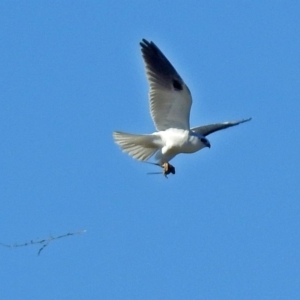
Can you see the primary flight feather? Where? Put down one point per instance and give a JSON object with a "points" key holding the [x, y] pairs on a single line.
{"points": [[170, 105]]}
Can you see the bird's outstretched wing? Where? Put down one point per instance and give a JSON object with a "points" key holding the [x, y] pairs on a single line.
{"points": [[170, 98], [208, 129]]}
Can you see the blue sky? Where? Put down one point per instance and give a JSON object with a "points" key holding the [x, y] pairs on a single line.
{"points": [[226, 226]]}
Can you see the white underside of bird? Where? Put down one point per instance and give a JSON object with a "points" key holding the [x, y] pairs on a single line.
{"points": [[164, 144], [170, 104]]}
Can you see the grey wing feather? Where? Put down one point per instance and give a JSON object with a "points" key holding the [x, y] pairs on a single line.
{"points": [[139, 146], [170, 98], [208, 129]]}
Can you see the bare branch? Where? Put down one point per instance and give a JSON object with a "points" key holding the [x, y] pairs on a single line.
{"points": [[43, 242]]}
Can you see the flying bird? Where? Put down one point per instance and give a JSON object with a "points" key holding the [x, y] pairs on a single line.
{"points": [[170, 104]]}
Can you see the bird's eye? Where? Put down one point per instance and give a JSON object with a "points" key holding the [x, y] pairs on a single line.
{"points": [[177, 85]]}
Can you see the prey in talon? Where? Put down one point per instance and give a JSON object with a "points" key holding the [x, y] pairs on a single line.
{"points": [[170, 102], [168, 168]]}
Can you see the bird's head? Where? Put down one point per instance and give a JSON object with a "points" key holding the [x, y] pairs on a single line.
{"points": [[200, 140], [204, 141]]}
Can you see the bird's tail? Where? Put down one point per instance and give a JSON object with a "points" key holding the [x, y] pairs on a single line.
{"points": [[139, 146]]}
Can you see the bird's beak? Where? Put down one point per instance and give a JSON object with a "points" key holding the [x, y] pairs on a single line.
{"points": [[208, 145]]}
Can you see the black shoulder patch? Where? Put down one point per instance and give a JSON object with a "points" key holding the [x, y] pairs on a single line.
{"points": [[177, 85]]}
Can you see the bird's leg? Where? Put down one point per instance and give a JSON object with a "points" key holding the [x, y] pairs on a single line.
{"points": [[168, 168]]}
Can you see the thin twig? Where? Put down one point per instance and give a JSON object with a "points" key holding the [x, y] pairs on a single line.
{"points": [[43, 242]]}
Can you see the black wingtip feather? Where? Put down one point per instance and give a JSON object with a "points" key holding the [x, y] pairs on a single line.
{"points": [[149, 48], [157, 63]]}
